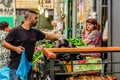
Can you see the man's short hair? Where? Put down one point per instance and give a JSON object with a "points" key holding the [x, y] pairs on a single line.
{"points": [[29, 12], [32, 11]]}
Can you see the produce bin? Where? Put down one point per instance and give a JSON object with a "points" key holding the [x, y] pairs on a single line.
{"points": [[51, 54]]}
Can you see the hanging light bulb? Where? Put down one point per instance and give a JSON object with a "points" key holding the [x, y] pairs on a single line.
{"points": [[39, 7], [41, 11], [46, 13]]}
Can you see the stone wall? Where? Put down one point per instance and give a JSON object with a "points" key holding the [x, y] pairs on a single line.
{"points": [[58, 9], [87, 9]]}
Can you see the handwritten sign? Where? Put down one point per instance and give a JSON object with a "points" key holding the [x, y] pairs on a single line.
{"points": [[49, 4], [27, 4]]}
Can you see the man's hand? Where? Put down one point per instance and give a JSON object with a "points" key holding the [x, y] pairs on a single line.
{"points": [[12, 47], [53, 36], [19, 49]]}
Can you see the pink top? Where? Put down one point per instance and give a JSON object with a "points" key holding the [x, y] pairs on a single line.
{"points": [[95, 38]]}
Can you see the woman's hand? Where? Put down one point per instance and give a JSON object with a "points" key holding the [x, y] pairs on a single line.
{"points": [[83, 32]]}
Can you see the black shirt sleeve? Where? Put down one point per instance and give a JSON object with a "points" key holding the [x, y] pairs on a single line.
{"points": [[11, 35], [40, 35]]}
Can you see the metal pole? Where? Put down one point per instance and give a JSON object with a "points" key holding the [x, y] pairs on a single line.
{"points": [[74, 17], [66, 16], [98, 11], [110, 30], [52, 73]]}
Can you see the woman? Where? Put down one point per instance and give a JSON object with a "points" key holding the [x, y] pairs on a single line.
{"points": [[93, 37], [4, 53]]}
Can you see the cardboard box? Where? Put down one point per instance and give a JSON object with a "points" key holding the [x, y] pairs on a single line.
{"points": [[88, 64]]}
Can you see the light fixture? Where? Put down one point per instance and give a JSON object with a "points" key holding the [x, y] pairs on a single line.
{"points": [[41, 11], [39, 7], [46, 13]]}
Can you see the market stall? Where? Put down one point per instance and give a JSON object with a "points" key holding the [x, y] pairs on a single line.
{"points": [[50, 53]]}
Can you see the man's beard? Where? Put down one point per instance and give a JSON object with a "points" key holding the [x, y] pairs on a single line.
{"points": [[33, 24]]}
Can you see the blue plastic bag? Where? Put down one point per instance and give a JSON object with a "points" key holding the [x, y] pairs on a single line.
{"points": [[24, 67], [4, 73]]}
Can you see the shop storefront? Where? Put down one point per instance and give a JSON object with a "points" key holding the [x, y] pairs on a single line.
{"points": [[8, 12]]}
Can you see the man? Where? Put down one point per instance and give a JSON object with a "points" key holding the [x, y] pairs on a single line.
{"points": [[57, 27], [24, 37]]}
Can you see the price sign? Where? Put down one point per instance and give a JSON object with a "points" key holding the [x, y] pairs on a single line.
{"points": [[27, 4]]}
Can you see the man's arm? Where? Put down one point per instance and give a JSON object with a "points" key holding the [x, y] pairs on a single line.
{"points": [[11, 47], [52, 36]]}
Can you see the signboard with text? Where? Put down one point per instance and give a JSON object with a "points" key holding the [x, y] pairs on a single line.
{"points": [[49, 4], [33, 4], [27, 4]]}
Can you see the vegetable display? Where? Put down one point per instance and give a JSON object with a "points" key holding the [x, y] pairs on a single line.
{"points": [[38, 56]]}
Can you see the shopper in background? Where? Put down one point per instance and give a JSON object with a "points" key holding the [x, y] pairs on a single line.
{"points": [[5, 26], [57, 27], [24, 37], [91, 34], [4, 53], [63, 19]]}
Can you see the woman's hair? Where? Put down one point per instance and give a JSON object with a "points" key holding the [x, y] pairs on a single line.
{"points": [[94, 22], [3, 25]]}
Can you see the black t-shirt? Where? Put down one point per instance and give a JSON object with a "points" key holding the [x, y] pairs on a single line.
{"points": [[26, 38]]}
